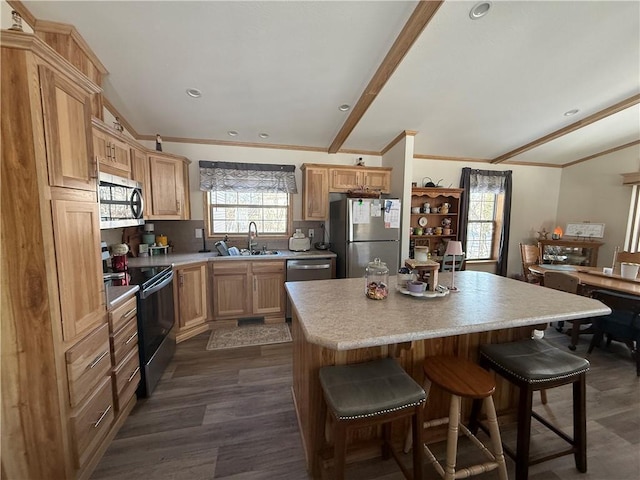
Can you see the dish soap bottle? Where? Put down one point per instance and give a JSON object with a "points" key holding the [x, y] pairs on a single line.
{"points": [[377, 280]]}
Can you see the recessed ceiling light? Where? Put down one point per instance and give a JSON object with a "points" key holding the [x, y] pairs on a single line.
{"points": [[232, 133], [263, 135], [570, 113], [344, 108], [479, 10], [194, 92]]}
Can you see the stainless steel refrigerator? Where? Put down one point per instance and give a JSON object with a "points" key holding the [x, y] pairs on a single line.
{"points": [[362, 230]]}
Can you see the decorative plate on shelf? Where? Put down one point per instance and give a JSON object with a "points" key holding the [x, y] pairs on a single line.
{"points": [[422, 221]]}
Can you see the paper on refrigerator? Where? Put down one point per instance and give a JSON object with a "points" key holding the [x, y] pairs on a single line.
{"points": [[392, 214]]}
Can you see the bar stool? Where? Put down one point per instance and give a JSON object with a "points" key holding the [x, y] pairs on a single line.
{"points": [[375, 392], [532, 365], [463, 379]]}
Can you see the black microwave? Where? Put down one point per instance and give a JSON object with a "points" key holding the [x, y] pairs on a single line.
{"points": [[121, 203]]}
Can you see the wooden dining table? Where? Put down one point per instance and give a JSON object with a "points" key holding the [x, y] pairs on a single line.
{"points": [[593, 278]]}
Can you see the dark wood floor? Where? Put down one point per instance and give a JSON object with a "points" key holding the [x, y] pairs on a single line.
{"points": [[229, 415]]}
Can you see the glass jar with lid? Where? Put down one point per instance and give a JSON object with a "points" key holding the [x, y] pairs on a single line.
{"points": [[377, 280]]}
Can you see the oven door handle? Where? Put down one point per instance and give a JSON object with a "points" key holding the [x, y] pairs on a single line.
{"points": [[154, 287]]}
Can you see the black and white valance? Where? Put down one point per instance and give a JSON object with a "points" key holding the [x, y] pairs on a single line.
{"points": [[488, 181], [242, 177]]}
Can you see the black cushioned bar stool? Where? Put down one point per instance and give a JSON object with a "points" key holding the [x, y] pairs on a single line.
{"points": [[532, 365], [375, 392]]}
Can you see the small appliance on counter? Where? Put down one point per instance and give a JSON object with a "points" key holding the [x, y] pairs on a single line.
{"points": [[299, 243], [149, 237]]}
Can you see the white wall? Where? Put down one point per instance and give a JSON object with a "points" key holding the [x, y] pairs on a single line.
{"points": [[535, 197], [400, 158], [592, 191]]}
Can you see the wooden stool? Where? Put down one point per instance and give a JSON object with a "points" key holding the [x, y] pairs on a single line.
{"points": [[376, 392], [534, 365], [463, 379]]}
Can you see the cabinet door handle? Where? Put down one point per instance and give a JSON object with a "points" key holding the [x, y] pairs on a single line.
{"points": [[113, 152], [108, 146], [181, 280], [94, 164], [135, 334], [178, 206], [255, 287], [96, 361], [133, 374], [129, 313], [104, 414]]}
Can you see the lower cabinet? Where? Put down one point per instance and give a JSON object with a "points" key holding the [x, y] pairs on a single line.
{"points": [[248, 289], [125, 364], [190, 299]]}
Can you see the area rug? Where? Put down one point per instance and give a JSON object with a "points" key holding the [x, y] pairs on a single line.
{"points": [[249, 335]]}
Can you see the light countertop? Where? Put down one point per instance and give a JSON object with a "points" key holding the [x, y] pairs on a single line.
{"points": [[336, 314], [178, 259], [116, 295]]}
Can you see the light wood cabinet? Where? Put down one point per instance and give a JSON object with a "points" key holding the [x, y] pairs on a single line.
{"points": [[249, 289], [432, 232], [67, 116], [169, 181], [343, 179], [140, 173], [57, 402], [76, 230], [190, 294], [113, 155], [315, 193], [319, 180], [268, 288], [125, 362]]}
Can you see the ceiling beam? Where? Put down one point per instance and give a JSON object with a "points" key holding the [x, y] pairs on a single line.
{"points": [[409, 34], [604, 152], [618, 107]]}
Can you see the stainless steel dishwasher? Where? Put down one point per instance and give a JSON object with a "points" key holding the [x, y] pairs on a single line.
{"points": [[309, 269]]}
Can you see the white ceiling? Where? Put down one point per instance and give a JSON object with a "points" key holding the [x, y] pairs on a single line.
{"points": [[471, 89]]}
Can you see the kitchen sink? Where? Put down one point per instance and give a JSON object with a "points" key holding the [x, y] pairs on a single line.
{"points": [[261, 253]]}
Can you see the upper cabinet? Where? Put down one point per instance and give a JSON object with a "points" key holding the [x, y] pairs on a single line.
{"points": [[67, 116], [113, 155], [319, 180], [343, 179], [169, 185], [315, 192], [140, 173]]}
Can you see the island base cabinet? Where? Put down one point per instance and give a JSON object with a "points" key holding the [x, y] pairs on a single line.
{"points": [[311, 409]]}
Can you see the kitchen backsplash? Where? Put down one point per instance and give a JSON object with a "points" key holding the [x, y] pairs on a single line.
{"points": [[181, 235]]}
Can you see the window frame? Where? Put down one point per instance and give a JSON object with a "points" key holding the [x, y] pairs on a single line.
{"points": [[242, 236], [497, 221]]}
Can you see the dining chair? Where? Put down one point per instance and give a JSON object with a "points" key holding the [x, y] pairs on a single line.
{"points": [[621, 325], [566, 282], [448, 261], [622, 256], [530, 255]]}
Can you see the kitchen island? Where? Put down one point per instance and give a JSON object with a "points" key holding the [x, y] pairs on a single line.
{"points": [[334, 323]]}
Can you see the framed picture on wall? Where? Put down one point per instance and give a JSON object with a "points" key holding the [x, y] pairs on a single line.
{"points": [[586, 229]]}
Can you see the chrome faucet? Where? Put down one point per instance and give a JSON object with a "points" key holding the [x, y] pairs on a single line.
{"points": [[251, 239]]}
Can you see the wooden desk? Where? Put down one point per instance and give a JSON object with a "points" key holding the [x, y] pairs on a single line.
{"points": [[593, 278], [335, 324]]}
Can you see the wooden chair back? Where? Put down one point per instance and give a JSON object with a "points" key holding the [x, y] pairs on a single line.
{"points": [[561, 281], [448, 262], [530, 255], [622, 256]]}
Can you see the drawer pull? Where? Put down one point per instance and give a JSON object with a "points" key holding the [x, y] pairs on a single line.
{"points": [[135, 334], [95, 425], [129, 313], [97, 360], [134, 374]]}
